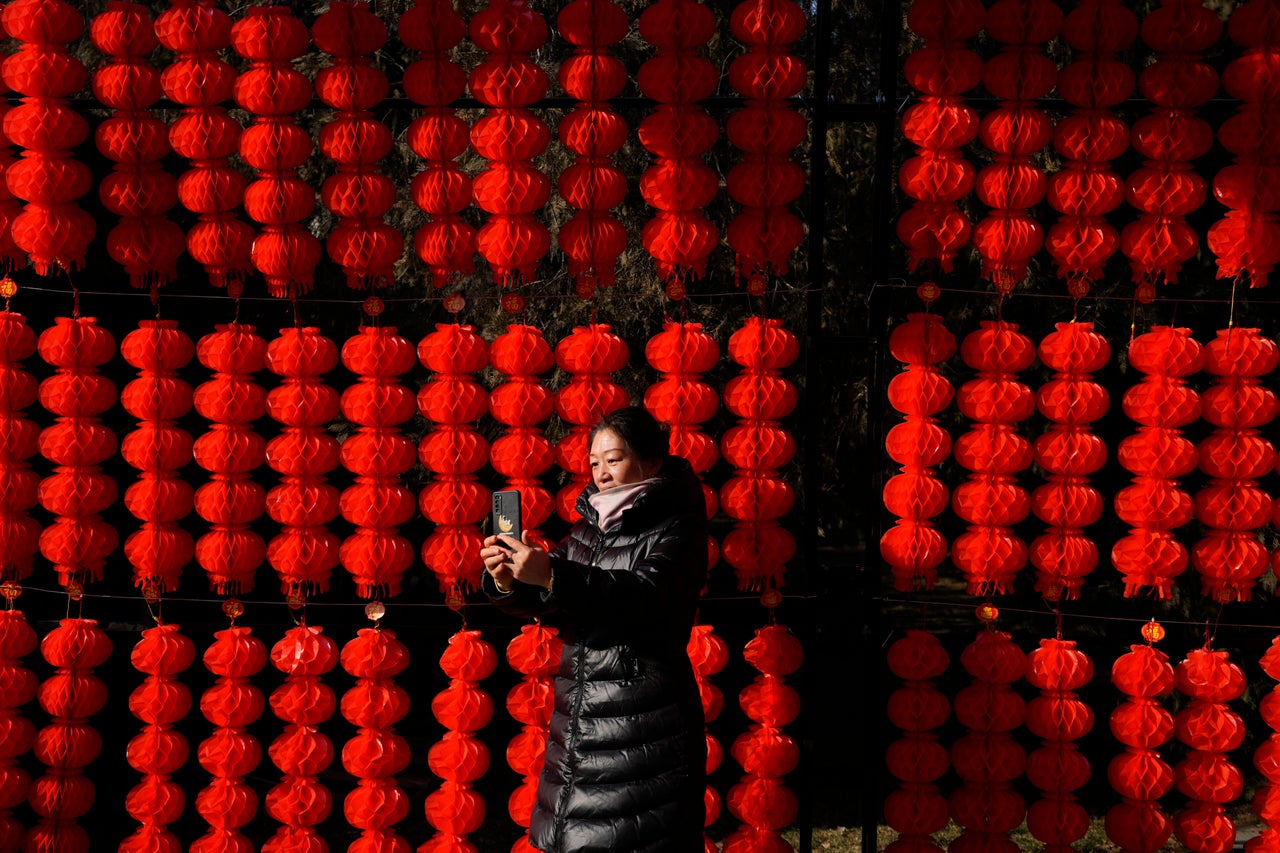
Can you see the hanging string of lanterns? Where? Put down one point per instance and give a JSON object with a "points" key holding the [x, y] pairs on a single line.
{"points": [[535, 654], [1059, 718], [231, 551], [375, 754], [453, 452], [362, 244], [77, 492], [378, 454], [916, 808], [158, 751], [139, 190], [231, 753], [19, 441], [206, 135], [10, 207], [593, 186], [160, 498], [521, 402], [1087, 188], [446, 243], [914, 548], [18, 685], [1233, 508], [1266, 758], [1157, 455], [1069, 451], [709, 654]]}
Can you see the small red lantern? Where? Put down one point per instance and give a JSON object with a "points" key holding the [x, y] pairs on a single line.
{"points": [[206, 135], [376, 753], [535, 654], [590, 354], [521, 402], [17, 640], [273, 91]]}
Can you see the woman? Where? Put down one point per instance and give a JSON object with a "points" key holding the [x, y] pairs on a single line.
{"points": [[626, 754]]}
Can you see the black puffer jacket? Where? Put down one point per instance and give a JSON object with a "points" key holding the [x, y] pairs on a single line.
{"points": [[626, 755]]}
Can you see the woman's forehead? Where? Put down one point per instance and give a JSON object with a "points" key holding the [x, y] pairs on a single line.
{"points": [[606, 440]]}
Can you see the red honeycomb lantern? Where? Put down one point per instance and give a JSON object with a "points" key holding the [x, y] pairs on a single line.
{"points": [[378, 454], [52, 229], [159, 449], [593, 186], [276, 146], [1166, 189], [305, 551], [761, 799], [1069, 451], [914, 547], [447, 242], [1157, 455], [19, 485], [17, 641], [231, 501], [916, 809], [1139, 774], [375, 754], [989, 554], [79, 540], [1235, 455], [510, 188], [158, 751], [1209, 729], [365, 246], [1086, 189], [453, 400], [456, 809], [522, 402], [67, 744], [231, 753], [10, 207], [590, 355], [206, 136], [939, 125], [1266, 759], [709, 654], [756, 496], [678, 133], [1059, 718], [301, 752], [535, 654]]}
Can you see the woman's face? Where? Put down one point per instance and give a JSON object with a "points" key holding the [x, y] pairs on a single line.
{"points": [[613, 462]]}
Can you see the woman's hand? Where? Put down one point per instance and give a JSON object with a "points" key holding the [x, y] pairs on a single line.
{"points": [[522, 561]]}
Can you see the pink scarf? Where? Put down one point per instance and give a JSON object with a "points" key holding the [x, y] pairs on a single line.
{"points": [[612, 503]]}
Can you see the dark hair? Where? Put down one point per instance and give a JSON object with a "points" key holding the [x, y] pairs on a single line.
{"points": [[638, 429]]}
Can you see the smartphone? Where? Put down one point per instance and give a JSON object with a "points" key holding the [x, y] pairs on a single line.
{"points": [[506, 514]]}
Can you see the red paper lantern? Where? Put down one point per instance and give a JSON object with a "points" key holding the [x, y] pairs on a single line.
{"points": [[206, 135], [761, 799], [301, 752], [1210, 729], [1139, 774], [916, 809], [1165, 190], [535, 654], [454, 400], [1069, 451], [273, 91], [1058, 717], [447, 242], [305, 551], [913, 547], [678, 133], [1266, 759], [590, 355], [522, 453], [1157, 456], [10, 207], [376, 753], [709, 654], [231, 753], [1007, 237], [158, 448], [937, 176], [758, 548], [594, 238], [159, 751], [378, 455], [79, 540], [510, 137], [991, 502], [231, 551], [52, 228], [455, 809], [365, 246], [67, 744], [17, 640], [19, 533]]}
